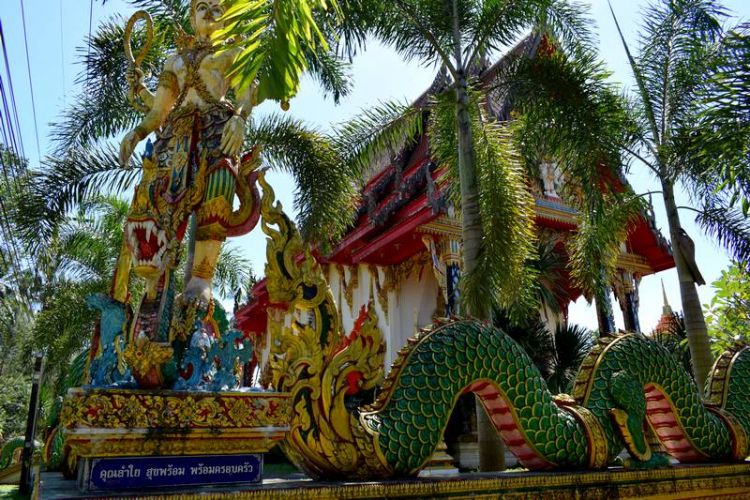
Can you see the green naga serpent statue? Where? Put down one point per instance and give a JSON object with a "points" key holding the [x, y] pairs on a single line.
{"points": [[351, 422]]}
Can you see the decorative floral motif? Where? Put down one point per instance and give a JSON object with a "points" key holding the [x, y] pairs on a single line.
{"points": [[126, 409], [146, 359]]}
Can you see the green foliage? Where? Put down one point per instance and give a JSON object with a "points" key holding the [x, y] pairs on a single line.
{"points": [[572, 344], [325, 197], [558, 355], [725, 106], [507, 210], [274, 36], [728, 312], [424, 30], [506, 205], [234, 275], [549, 269], [596, 246], [85, 164], [678, 52], [14, 403], [570, 111], [67, 182], [102, 109], [571, 127], [381, 131]]}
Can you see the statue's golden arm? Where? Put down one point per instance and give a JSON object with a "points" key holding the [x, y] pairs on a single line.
{"points": [[234, 131], [161, 105]]}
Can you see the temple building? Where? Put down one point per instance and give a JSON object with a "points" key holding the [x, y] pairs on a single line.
{"points": [[403, 254]]}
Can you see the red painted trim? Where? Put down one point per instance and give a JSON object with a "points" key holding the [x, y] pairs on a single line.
{"points": [[422, 215]]}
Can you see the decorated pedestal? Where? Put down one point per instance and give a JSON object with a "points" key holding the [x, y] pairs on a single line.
{"points": [[127, 438]]}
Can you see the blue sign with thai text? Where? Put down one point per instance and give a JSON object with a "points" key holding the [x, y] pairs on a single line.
{"points": [[150, 472]]}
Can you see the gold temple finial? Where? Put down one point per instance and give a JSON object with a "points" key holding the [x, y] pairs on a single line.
{"points": [[666, 309]]}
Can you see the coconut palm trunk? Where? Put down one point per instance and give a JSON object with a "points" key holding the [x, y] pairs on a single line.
{"points": [[490, 446], [695, 324]]}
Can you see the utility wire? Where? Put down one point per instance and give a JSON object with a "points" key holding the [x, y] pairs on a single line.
{"points": [[13, 152], [31, 84], [19, 147]]}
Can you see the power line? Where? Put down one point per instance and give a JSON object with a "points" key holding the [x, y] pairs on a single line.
{"points": [[14, 153], [31, 84], [19, 147]]}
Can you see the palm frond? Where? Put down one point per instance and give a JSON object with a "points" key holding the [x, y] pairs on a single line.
{"points": [[378, 133], [677, 39], [569, 24], [233, 272], [645, 101], [570, 112], [532, 335], [507, 209], [505, 203], [595, 247], [102, 110], [331, 73], [325, 196], [722, 145], [549, 267], [89, 243], [498, 24], [70, 180], [572, 344], [176, 10], [729, 226], [275, 38]]}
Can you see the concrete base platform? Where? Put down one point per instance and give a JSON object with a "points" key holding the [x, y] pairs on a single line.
{"points": [[679, 482]]}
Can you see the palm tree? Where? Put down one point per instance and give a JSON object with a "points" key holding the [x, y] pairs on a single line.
{"points": [[725, 131], [679, 46], [485, 171]]}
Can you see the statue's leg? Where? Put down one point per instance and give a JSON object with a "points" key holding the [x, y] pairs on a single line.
{"points": [[213, 216]]}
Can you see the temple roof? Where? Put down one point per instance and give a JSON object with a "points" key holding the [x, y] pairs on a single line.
{"points": [[405, 197]]}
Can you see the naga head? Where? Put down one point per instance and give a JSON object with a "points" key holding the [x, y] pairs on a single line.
{"points": [[145, 235], [147, 243]]}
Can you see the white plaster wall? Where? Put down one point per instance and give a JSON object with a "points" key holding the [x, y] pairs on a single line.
{"points": [[410, 309], [417, 293]]}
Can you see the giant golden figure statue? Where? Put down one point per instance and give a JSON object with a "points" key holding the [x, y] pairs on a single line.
{"points": [[193, 167]]}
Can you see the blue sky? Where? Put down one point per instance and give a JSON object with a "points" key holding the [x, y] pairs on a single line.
{"points": [[56, 28]]}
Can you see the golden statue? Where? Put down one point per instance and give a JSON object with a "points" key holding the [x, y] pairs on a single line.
{"points": [[193, 167]]}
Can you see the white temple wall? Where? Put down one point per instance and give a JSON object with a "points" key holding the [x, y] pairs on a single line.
{"points": [[411, 305], [411, 308]]}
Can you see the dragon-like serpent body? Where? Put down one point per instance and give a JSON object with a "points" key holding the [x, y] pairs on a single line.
{"points": [[628, 389]]}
